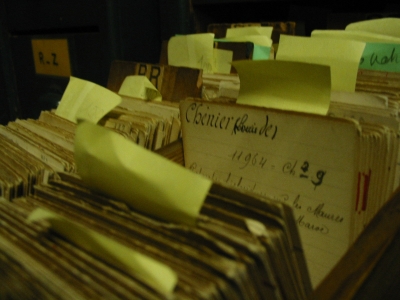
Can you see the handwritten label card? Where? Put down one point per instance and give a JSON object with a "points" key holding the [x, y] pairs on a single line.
{"points": [[381, 57], [304, 160]]}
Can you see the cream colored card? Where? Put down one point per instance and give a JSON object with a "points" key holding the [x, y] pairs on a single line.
{"points": [[284, 85], [193, 51], [164, 109], [137, 86], [361, 99], [157, 275], [304, 160], [144, 180], [385, 26], [342, 56], [86, 100]]}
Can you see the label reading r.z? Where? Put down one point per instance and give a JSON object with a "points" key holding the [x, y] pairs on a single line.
{"points": [[51, 57]]}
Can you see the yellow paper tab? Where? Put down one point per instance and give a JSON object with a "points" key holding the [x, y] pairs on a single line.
{"points": [[342, 56], [361, 36], [193, 51], [380, 52], [222, 61], [144, 180], [284, 85], [157, 275], [137, 86], [86, 100], [385, 26], [249, 30], [51, 57]]}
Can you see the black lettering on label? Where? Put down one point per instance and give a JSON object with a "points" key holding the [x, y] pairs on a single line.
{"points": [[393, 58], [142, 69], [41, 57], [198, 114], [154, 74], [55, 63]]}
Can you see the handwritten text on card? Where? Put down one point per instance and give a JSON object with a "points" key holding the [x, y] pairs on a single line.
{"points": [[381, 57], [303, 160]]}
